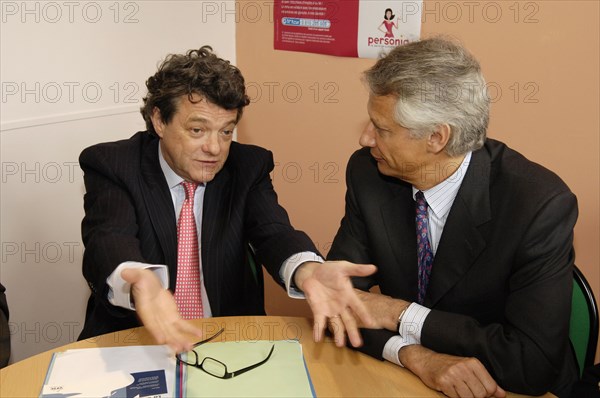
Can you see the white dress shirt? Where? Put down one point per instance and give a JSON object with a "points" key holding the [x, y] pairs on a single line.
{"points": [[119, 293], [439, 202]]}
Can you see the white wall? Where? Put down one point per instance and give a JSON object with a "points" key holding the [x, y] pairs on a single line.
{"points": [[73, 75]]}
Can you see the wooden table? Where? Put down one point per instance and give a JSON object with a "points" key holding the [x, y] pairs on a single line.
{"points": [[334, 371]]}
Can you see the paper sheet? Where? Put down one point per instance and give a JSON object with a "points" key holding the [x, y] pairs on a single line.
{"points": [[283, 375]]}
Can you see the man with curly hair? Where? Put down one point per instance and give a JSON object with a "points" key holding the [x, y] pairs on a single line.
{"points": [[172, 214]]}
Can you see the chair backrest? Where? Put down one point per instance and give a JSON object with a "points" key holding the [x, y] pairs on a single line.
{"points": [[251, 257], [583, 328]]}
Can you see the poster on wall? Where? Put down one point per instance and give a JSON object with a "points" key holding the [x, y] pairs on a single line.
{"points": [[347, 28]]}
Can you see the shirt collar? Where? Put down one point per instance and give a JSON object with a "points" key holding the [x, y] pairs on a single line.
{"points": [[173, 179], [445, 192]]}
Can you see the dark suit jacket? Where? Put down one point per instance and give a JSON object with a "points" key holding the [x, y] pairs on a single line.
{"points": [[500, 288], [129, 216]]}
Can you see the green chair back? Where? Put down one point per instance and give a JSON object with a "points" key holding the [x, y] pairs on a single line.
{"points": [[583, 327]]}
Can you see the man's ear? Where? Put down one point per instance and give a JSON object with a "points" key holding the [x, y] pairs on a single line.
{"points": [[438, 140], [157, 122]]}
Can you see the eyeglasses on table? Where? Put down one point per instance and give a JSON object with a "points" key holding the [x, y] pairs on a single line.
{"points": [[213, 366]]}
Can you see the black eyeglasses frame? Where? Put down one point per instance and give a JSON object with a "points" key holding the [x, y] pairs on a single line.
{"points": [[227, 374]]}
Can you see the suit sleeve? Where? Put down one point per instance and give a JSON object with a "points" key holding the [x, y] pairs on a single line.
{"points": [[526, 352], [267, 223], [109, 227], [351, 244]]}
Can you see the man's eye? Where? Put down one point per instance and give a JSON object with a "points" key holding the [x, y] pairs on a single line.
{"points": [[227, 132], [196, 130]]}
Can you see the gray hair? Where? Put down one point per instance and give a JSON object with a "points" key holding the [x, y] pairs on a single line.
{"points": [[436, 82]]}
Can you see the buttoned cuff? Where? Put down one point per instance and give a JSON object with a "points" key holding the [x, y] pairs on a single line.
{"points": [[410, 332], [119, 292], [289, 266], [412, 323], [392, 348]]}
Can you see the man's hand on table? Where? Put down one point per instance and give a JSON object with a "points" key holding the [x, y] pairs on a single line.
{"points": [[452, 375], [330, 294], [156, 308]]}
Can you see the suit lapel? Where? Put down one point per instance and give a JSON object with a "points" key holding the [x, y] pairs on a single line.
{"points": [[159, 205], [398, 217], [462, 241], [215, 216]]}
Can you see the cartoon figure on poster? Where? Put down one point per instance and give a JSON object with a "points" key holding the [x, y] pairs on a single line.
{"points": [[388, 23]]}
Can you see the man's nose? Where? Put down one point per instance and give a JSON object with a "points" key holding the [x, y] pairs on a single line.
{"points": [[367, 138], [211, 144]]}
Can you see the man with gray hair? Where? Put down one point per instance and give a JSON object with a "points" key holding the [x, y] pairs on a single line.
{"points": [[473, 242]]}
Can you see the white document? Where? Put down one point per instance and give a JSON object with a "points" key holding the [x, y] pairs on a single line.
{"points": [[127, 372]]}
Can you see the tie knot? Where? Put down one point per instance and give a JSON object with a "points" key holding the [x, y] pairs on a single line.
{"points": [[421, 204], [190, 189], [420, 197]]}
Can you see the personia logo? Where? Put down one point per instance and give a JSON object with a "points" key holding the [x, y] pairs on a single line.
{"points": [[387, 36]]}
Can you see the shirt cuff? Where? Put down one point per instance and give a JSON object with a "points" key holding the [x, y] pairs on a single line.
{"points": [[392, 348], [290, 265], [410, 332], [119, 292], [412, 323]]}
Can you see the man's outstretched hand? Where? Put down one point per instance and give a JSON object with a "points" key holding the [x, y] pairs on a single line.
{"points": [[157, 310], [330, 294]]}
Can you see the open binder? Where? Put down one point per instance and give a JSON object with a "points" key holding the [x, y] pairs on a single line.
{"points": [[152, 371]]}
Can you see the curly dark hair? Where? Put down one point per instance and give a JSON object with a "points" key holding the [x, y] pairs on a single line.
{"points": [[197, 72]]}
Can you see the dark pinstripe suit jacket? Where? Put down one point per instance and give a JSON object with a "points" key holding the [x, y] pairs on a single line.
{"points": [[500, 287], [129, 216]]}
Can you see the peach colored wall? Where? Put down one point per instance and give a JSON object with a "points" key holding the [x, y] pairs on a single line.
{"points": [[309, 109]]}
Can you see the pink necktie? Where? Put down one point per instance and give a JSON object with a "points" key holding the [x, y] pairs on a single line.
{"points": [[187, 285]]}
